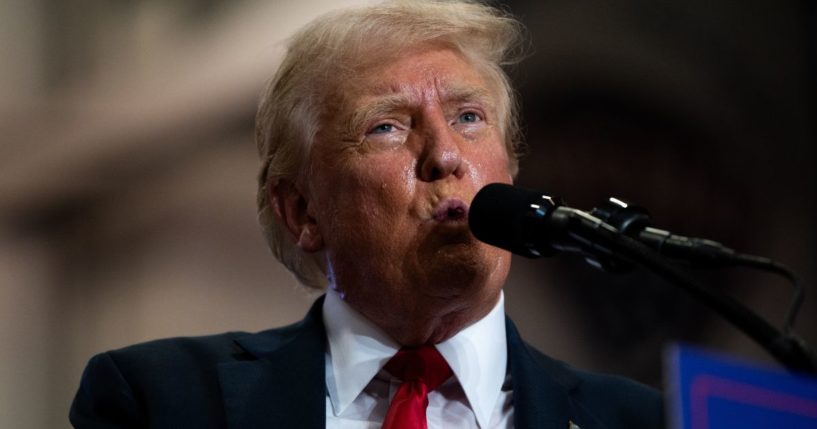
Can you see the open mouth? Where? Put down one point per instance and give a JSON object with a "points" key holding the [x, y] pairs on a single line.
{"points": [[451, 210]]}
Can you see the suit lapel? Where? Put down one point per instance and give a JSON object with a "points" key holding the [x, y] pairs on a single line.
{"points": [[544, 390], [283, 384]]}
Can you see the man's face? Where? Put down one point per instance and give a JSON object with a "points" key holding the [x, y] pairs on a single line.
{"points": [[394, 169]]}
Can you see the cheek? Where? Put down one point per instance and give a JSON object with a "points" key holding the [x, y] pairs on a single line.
{"points": [[390, 183], [498, 170], [372, 187], [489, 165]]}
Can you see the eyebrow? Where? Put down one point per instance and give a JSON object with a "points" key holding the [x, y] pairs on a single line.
{"points": [[390, 103], [467, 94], [381, 106]]}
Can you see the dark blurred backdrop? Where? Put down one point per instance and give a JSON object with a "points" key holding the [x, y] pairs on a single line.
{"points": [[703, 112]]}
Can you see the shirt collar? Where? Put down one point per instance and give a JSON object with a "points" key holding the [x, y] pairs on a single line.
{"points": [[478, 356], [358, 349]]}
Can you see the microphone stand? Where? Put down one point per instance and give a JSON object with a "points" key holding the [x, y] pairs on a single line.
{"points": [[596, 237]]}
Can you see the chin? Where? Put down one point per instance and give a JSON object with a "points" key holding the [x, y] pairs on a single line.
{"points": [[451, 259], [457, 267]]}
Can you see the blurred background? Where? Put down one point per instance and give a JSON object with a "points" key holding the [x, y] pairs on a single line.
{"points": [[127, 174]]}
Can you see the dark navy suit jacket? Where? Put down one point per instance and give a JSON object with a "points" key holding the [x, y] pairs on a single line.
{"points": [[276, 379]]}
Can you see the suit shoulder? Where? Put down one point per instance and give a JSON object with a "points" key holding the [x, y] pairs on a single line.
{"points": [[179, 349], [163, 382], [618, 401], [172, 356], [128, 387], [593, 381]]}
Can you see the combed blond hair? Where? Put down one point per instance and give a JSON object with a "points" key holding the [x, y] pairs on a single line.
{"points": [[340, 43]]}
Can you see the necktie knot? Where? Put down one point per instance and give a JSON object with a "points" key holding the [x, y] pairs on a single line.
{"points": [[423, 364], [420, 370]]}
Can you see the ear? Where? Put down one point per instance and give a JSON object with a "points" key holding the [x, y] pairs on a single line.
{"points": [[291, 208]]}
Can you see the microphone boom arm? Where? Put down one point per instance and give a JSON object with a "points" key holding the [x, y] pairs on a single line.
{"points": [[593, 235]]}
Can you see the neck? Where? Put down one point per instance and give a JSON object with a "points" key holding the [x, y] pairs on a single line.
{"points": [[434, 322]]}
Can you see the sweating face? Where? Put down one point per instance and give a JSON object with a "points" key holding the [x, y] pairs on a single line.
{"points": [[393, 171]]}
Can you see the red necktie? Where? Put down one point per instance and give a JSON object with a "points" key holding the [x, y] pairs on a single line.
{"points": [[421, 370]]}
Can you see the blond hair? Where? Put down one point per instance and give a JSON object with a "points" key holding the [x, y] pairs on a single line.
{"points": [[342, 42]]}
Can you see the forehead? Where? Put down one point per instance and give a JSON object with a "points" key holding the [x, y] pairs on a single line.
{"points": [[417, 74]]}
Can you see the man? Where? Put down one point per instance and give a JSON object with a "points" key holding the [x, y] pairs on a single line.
{"points": [[376, 132]]}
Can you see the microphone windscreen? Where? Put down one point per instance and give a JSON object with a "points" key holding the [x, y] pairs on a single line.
{"points": [[508, 217]]}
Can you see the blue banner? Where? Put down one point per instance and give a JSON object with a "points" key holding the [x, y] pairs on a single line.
{"points": [[710, 391]]}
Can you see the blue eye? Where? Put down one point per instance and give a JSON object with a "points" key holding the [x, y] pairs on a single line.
{"points": [[382, 129], [469, 117]]}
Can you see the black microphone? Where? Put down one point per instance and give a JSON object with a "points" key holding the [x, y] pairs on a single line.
{"points": [[533, 224], [510, 218]]}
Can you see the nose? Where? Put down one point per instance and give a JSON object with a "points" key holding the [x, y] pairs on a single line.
{"points": [[441, 155]]}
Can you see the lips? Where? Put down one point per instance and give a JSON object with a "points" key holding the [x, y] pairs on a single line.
{"points": [[450, 210]]}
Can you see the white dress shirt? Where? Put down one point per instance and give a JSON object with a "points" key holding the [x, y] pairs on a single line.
{"points": [[359, 390]]}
